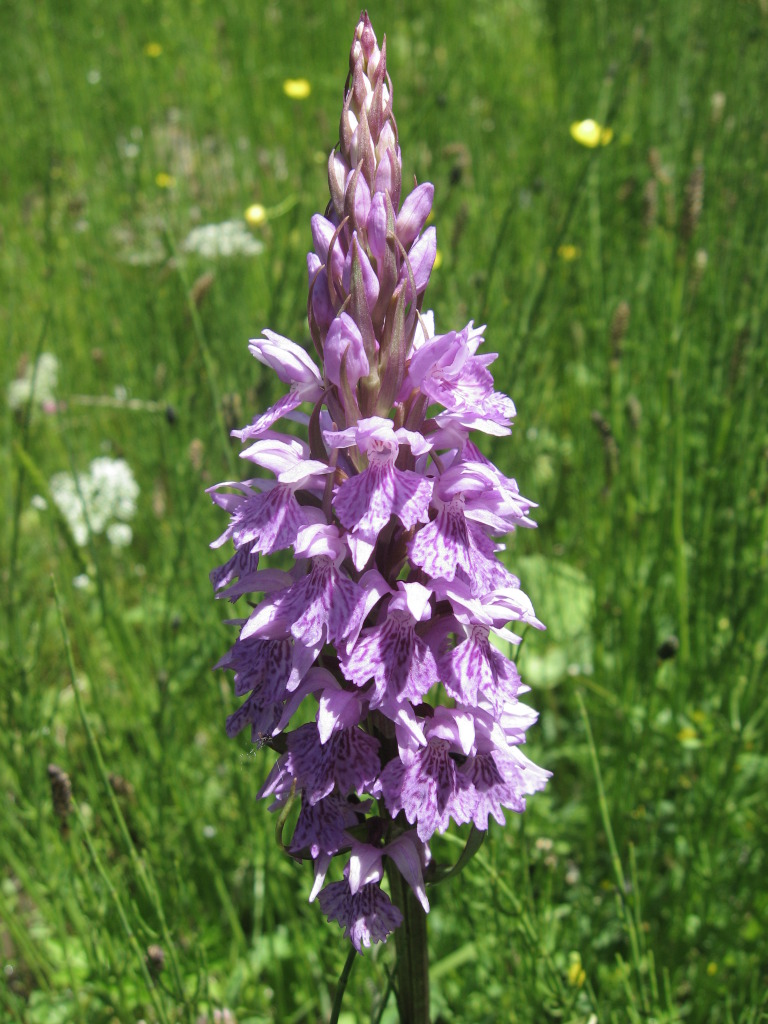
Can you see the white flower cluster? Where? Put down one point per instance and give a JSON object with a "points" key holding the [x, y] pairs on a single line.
{"points": [[102, 500], [230, 238], [39, 381]]}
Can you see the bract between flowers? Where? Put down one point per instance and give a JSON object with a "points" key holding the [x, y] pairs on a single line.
{"points": [[393, 521]]}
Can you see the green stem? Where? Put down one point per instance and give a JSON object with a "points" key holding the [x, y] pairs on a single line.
{"points": [[412, 954], [680, 450], [341, 987], [630, 922]]}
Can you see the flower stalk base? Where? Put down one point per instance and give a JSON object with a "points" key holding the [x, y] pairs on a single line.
{"points": [[412, 953]]}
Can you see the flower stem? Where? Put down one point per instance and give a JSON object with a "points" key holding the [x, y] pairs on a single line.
{"points": [[342, 985], [412, 954]]}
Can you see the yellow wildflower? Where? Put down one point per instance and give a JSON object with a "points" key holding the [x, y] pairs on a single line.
{"points": [[255, 215], [711, 968], [153, 49], [163, 180], [591, 134], [297, 88], [438, 260], [576, 973], [568, 252], [687, 734]]}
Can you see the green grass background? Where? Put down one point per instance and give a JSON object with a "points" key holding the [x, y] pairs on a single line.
{"points": [[634, 888]]}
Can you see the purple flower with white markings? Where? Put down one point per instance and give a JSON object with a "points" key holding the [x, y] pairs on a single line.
{"points": [[366, 916], [268, 516], [293, 366], [367, 500], [386, 620], [392, 654]]}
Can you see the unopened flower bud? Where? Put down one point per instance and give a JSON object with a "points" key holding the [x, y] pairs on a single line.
{"points": [[337, 179], [344, 339], [322, 307], [414, 213], [324, 234], [370, 281], [365, 48], [421, 259], [361, 200], [377, 225], [362, 149]]}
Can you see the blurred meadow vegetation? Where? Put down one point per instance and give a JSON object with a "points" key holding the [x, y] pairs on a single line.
{"points": [[625, 288]]}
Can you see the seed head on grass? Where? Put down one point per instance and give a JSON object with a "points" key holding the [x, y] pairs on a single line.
{"points": [[694, 203], [61, 796], [391, 513]]}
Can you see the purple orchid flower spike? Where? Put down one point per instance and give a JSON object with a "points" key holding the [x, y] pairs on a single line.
{"points": [[384, 622]]}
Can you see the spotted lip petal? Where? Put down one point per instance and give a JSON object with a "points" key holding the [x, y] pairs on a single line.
{"points": [[365, 504], [396, 658], [368, 916]]}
